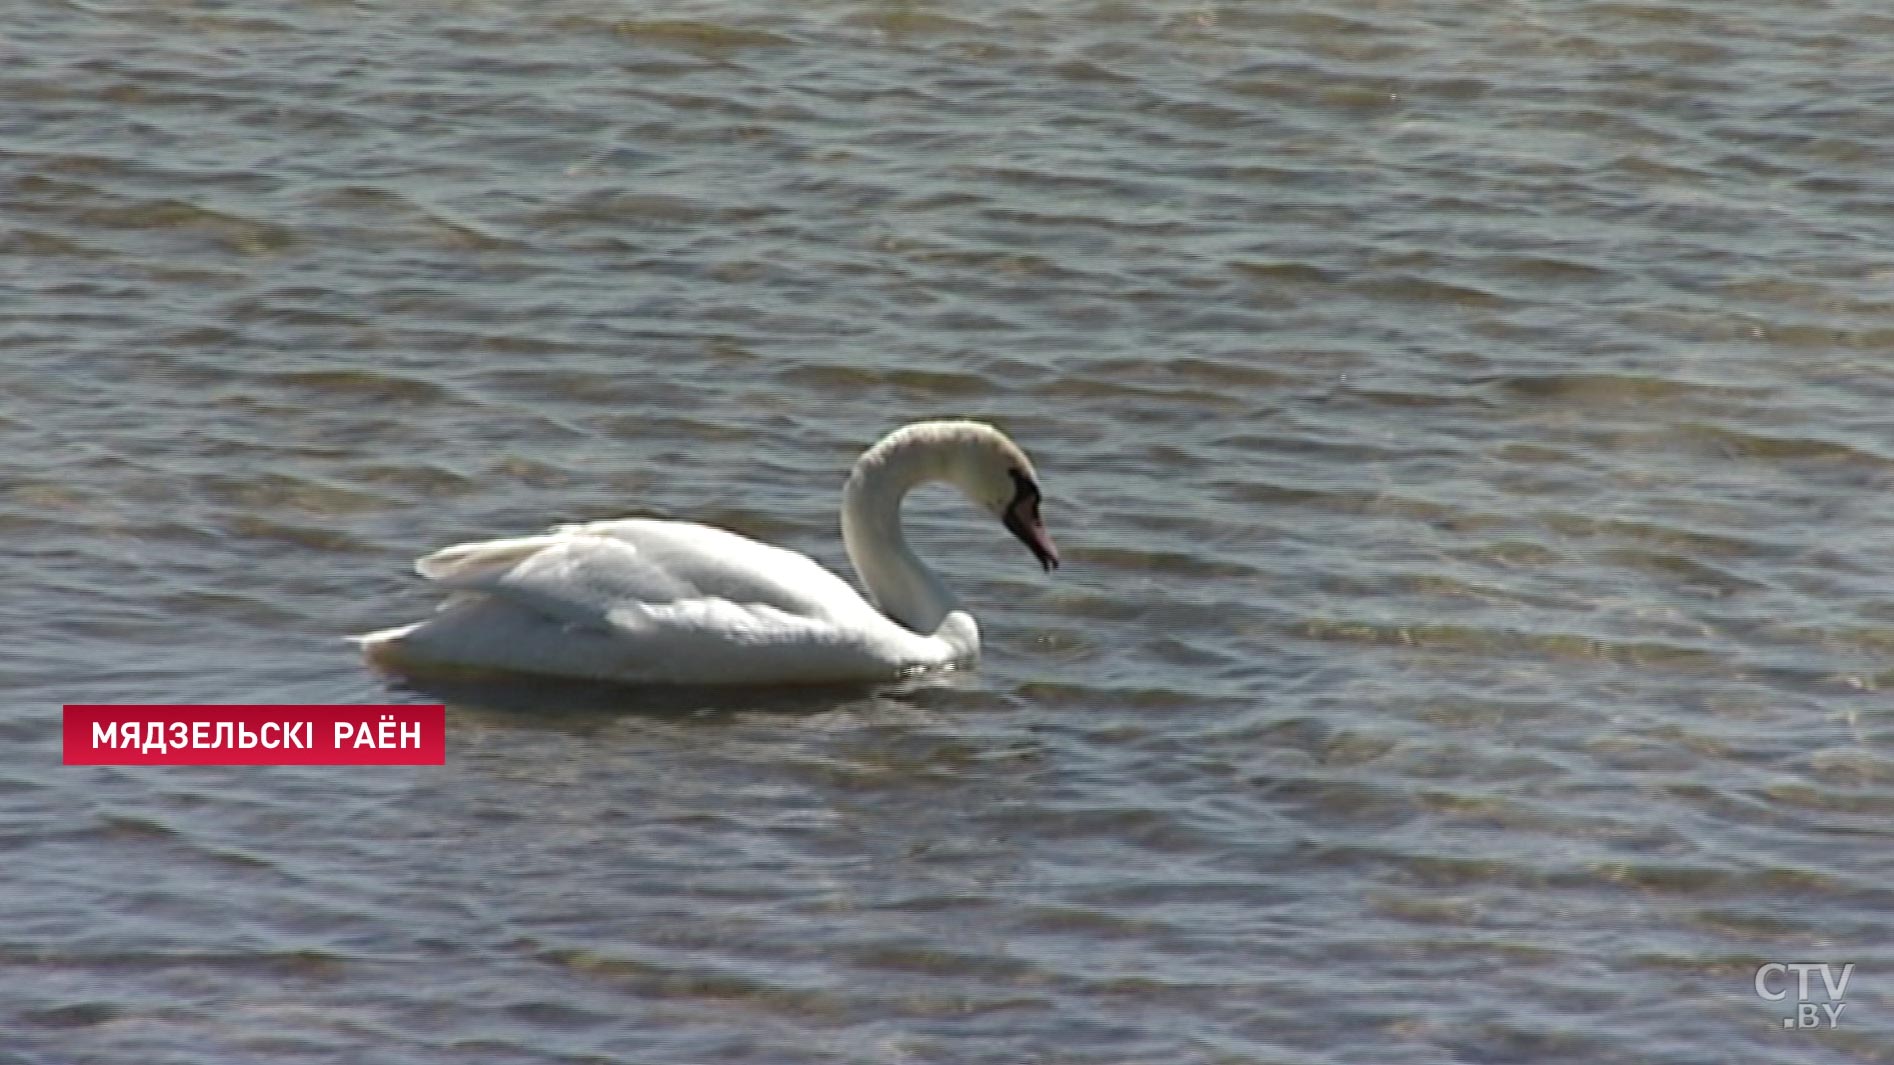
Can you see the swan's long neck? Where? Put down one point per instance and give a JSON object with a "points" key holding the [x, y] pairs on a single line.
{"points": [[898, 583]]}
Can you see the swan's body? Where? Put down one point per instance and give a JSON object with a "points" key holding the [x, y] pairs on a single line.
{"points": [[647, 601]]}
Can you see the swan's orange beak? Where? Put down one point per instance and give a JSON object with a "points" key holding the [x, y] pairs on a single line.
{"points": [[1022, 520]]}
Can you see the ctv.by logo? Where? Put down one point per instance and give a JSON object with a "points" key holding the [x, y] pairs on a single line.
{"points": [[1775, 975]]}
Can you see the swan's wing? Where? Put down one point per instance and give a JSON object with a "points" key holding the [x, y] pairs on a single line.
{"points": [[652, 601], [607, 575], [716, 563], [573, 580], [649, 601]]}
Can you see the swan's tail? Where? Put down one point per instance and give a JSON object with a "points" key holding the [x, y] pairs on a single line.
{"points": [[384, 649], [406, 652]]}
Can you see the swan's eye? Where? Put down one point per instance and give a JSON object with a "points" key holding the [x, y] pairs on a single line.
{"points": [[1025, 492]]}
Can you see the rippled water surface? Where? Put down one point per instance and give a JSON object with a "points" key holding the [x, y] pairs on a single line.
{"points": [[1467, 424]]}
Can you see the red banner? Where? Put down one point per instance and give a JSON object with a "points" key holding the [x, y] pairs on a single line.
{"points": [[125, 734]]}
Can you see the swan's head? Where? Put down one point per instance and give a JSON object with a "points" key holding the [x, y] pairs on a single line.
{"points": [[995, 473], [976, 458]]}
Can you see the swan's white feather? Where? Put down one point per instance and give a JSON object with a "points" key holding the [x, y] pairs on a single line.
{"points": [[650, 601]]}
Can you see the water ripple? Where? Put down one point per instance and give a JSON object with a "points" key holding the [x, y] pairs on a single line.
{"points": [[1465, 426]]}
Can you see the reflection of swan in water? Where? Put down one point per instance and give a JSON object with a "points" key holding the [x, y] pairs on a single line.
{"points": [[675, 602], [560, 704]]}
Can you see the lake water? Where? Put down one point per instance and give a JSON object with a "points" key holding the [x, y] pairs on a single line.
{"points": [[1467, 425]]}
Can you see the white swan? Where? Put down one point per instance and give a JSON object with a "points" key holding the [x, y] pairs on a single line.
{"points": [[645, 601]]}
